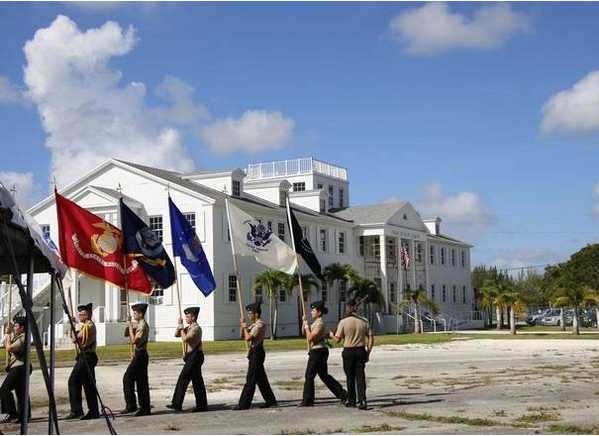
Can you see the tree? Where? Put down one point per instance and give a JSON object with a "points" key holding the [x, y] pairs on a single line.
{"points": [[368, 292], [335, 272], [309, 281], [418, 298], [271, 282]]}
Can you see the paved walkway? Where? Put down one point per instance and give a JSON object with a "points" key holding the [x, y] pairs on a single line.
{"points": [[480, 386]]}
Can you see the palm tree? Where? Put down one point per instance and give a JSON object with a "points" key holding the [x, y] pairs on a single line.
{"points": [[271, 282], [335, 272], [577, 297], [368, 292], [418, 298], [488, 294]]}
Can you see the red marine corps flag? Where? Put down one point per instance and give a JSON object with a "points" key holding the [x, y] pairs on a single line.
{"points": [[95, 247]]}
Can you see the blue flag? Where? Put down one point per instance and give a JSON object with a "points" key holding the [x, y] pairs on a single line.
{"points": [[143, 245], [187, 246]]}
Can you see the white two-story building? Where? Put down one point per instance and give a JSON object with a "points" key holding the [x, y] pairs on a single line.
{"points": [[367, 237]]}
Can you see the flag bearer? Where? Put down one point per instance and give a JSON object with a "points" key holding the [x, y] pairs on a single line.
{"points": [[194, 359], [318, 356], [137, 371], [83, 374], [15, 379], [256, 375]]}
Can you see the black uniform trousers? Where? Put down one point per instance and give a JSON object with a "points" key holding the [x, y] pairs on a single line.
{"points": [[256, 375], [14, 381], [191, 371], [81, 377], [137, 373], [317, 365], [354, 363]]}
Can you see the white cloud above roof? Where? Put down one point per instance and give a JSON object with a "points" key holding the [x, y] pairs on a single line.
{"points": [[575, 110], [433, 28]]}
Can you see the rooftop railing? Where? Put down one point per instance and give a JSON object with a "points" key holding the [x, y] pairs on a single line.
{"points": [[283, 168]]}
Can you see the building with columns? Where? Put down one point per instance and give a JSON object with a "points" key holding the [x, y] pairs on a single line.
{"points": [[367, 237]]}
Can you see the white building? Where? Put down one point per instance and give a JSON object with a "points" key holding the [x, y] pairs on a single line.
{"points": [[366, 237]]}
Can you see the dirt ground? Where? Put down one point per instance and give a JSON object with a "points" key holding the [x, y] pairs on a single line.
{"points": [[478, 386]]}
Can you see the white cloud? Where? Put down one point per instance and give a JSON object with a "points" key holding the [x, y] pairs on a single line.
{"points": [[575, 110], [183, 110], [524, 257], [464, 215], [596, 195], [8, 93], [433, 29], [25, 190], [88, 115], [255, 131]]}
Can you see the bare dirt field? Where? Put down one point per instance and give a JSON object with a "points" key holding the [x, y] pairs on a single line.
{"points": [[475, 386]]}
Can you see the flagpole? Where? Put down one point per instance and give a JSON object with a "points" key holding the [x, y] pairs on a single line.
{"points": [[237, 281], [183, 343], [299, 274], [9, 313], [131, 352]]}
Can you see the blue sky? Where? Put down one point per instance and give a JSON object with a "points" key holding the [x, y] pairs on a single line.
{"points": [[485, 114]]}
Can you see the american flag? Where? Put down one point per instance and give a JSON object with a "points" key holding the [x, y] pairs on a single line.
{"points": [[405, 257]]}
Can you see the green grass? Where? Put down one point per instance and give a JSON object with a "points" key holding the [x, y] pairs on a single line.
{"points": [[113, 354]]}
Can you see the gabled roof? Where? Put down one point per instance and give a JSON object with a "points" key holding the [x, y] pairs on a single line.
{"points": [[176, 179], [370, 214]]}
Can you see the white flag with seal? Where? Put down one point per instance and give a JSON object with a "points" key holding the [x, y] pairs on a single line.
{"points": [[249, 237]]}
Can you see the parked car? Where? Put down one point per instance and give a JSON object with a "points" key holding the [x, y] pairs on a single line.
{"points": [[552, 317], [534, 317], [588, 318]]}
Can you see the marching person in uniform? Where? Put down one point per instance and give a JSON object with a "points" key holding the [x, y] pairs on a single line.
{"points": [[15, 379], [81, 376], [358, 341], [318, 356], [137, 371], [256, 375], [194, 359]]}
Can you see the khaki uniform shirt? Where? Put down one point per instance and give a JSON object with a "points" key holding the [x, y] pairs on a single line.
{"points": [[142, 333], [257, 331], [354, 330], [16, 356], [194, 336], [318, 332]]}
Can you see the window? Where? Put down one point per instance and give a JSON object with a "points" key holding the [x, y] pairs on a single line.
{"points": [[322, 242], [269, 225], [156, 226], [282, 295], [232, 293], [391, 252], [463, 258], [341, 242], [324, 293], [442, 255], [299, 186], [259, 293], [340, 197], [323, 206], [419, 253], [431, 254], [342, 289], [331, 191], [443, 294], [361, 245], [454, 293], [157, 296], [376, 248], [46, 230], [433, 292], [281, 231], [463, 294], [453, 257], [236, 188], [392, 293], [191, 219], [124, 308], [319, 186]]}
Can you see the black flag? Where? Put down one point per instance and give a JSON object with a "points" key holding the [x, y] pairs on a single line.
{"points": [[301, 244]]}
